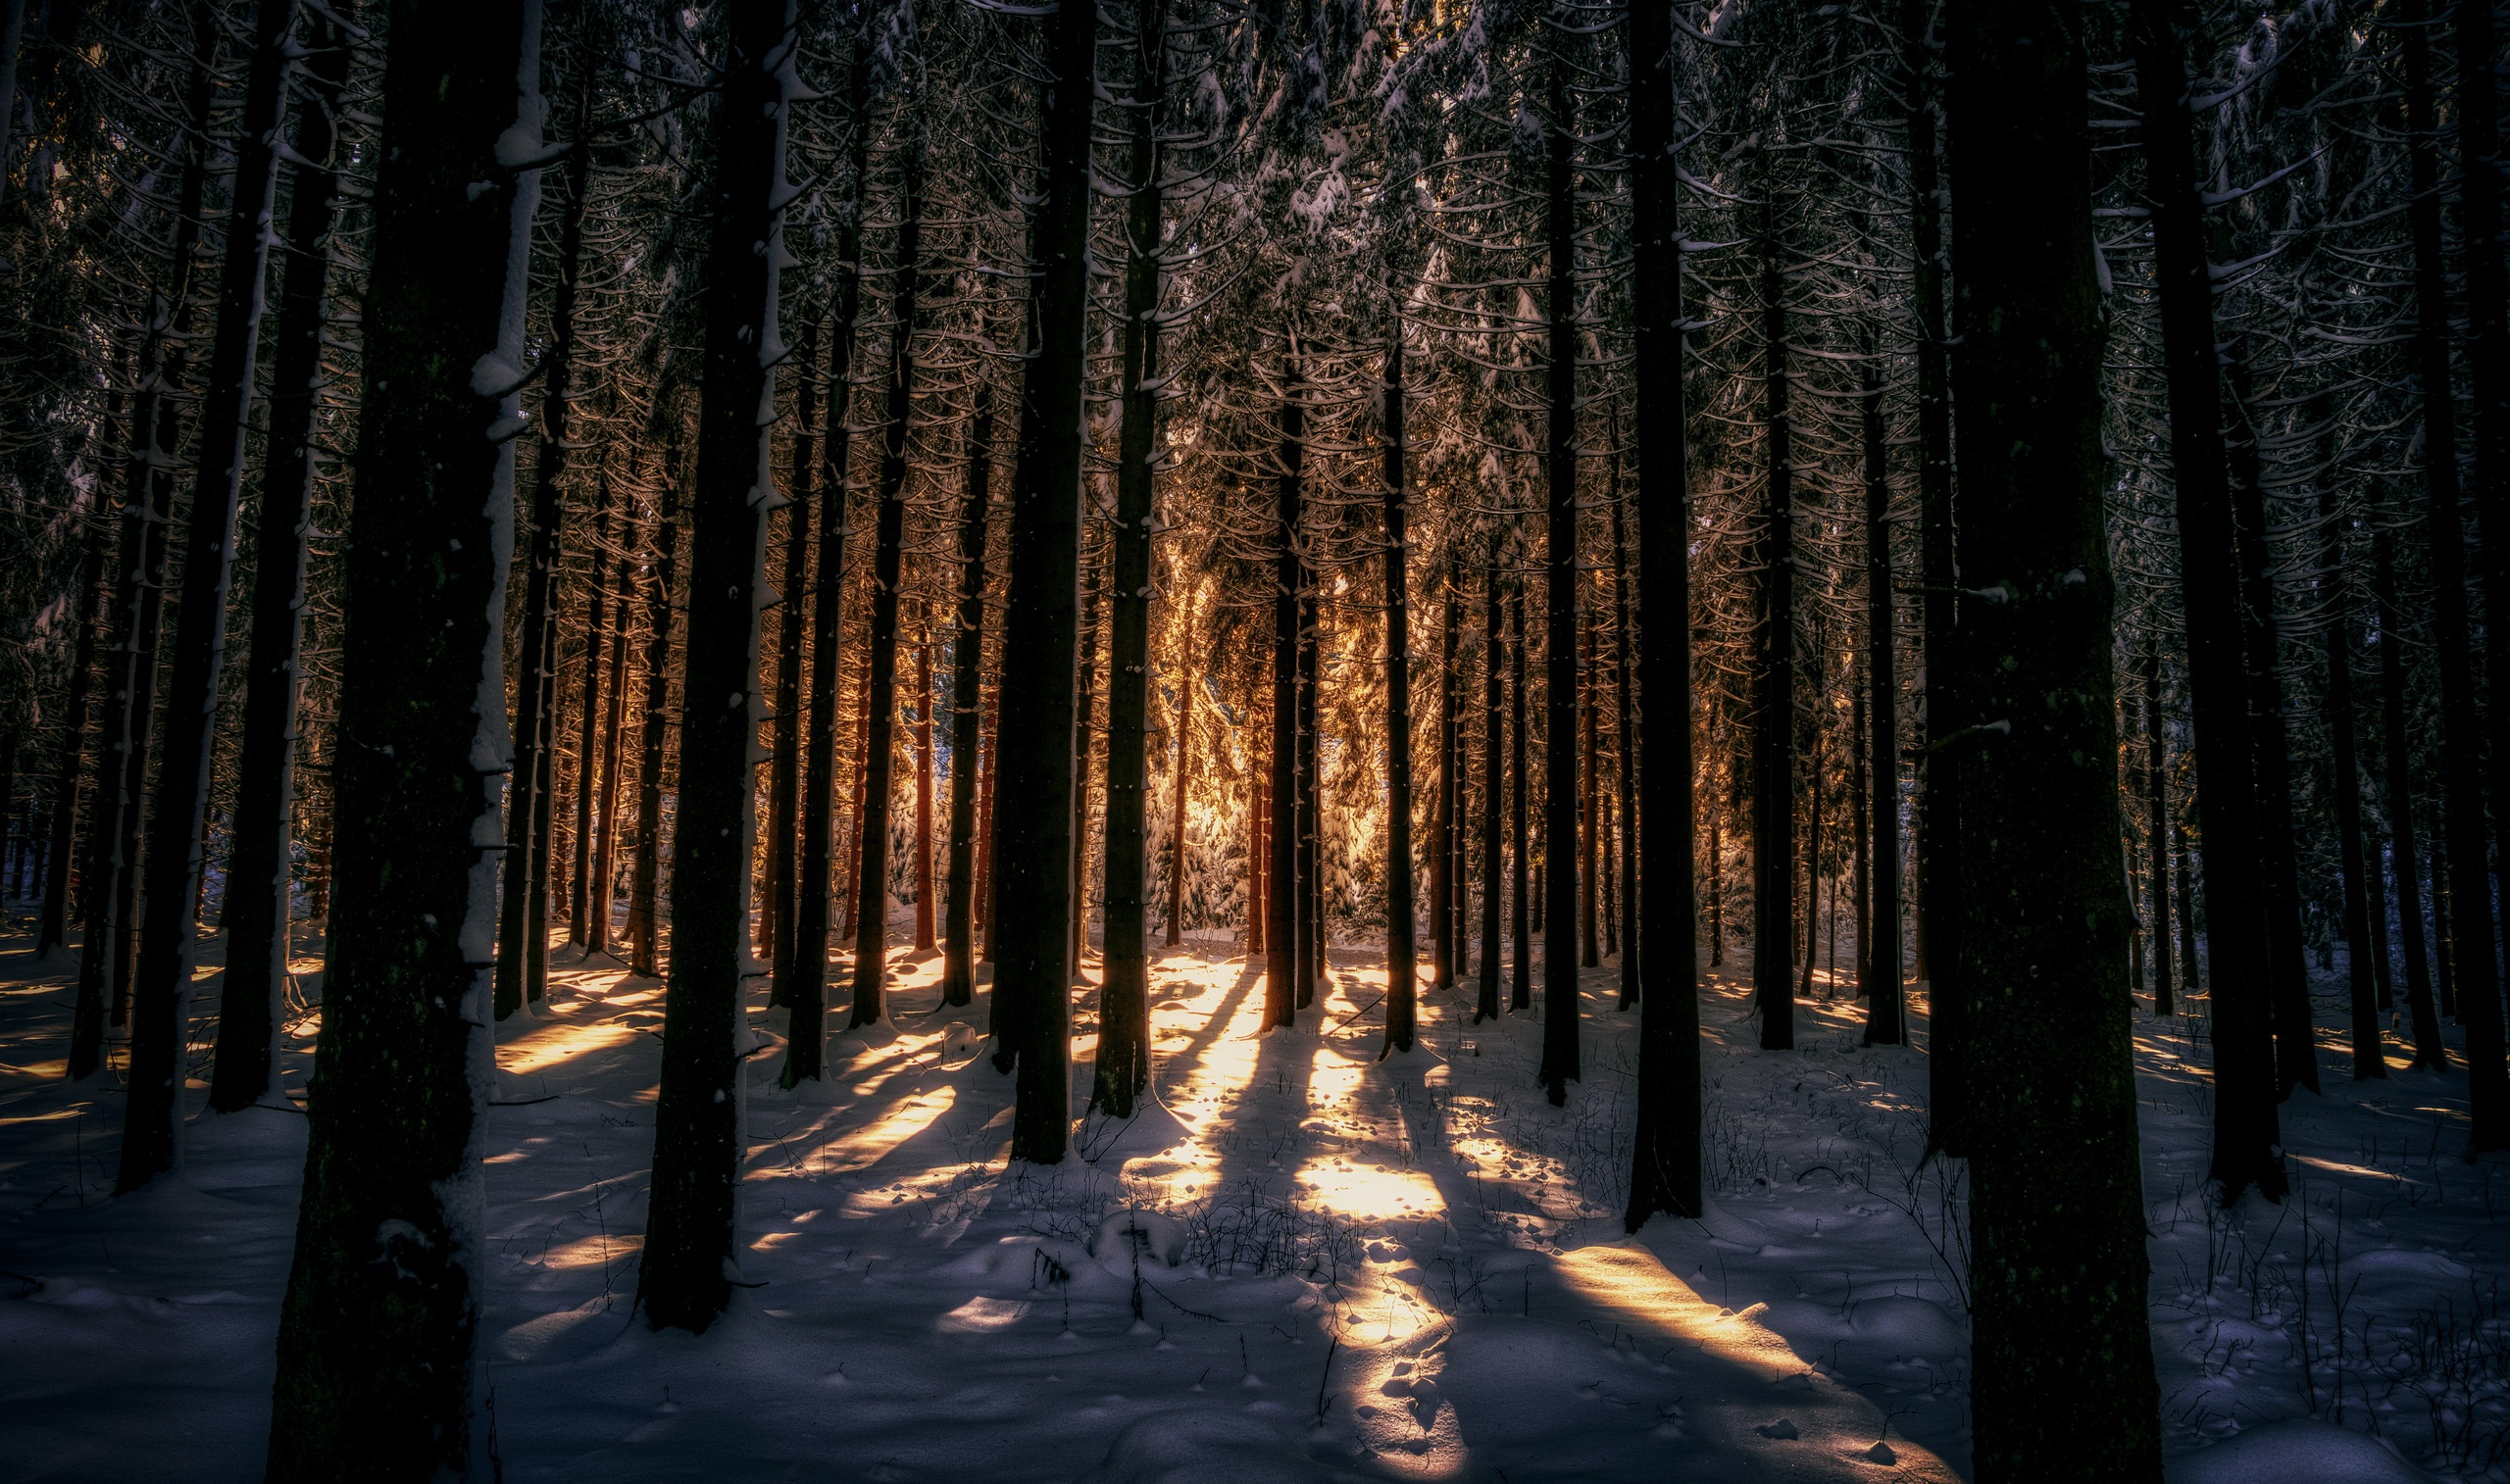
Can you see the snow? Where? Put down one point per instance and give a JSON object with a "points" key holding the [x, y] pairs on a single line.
{"points": [[1349, 1270]]}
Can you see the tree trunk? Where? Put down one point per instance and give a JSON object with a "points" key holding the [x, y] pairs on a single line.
{"points": [[1284, 965], [110, 880], [1085, 732], [1590, 816], [1813, 811], [2487, 300], [597, 884], [2398, 792], [69, 769], [967, 685], [1939, 810], [644, 949], [2370, 1059], [785, 775], [1624, 739], [691, 1237], [161, 997], [1664, 1152], [588, 723], [2466, 893], [1189, 681], [1494, 788], [1032, 888], [1443, 936], [1123, 1068], [1402, 949], [1878, 933], [1560, 1060], [1520, 817], [880, 696], [1774, 683], [2278, 864], [523, 928], [2157, 838], [1310, 835], [2062, 1390], [379, 1332], [2246, 1127], [926, 939], [250, 996]]}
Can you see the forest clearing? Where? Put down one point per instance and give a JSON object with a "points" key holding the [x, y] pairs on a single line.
{"points": [[1343, 1274]]}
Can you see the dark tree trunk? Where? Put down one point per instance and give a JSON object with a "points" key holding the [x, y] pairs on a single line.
{"points": [[1774, 684], [257, 869], [597, 884], [1494, 788], [2466, 892], [802, 977], [1310, 781], [2370, 1059], [1123, 1068], [523, 929], [2246, 1127], [690, 1238], [967, 685], [1938, 810], [1189, 681], [110, 883], [1624, 659], [2063, 1389], [1879, 933], [2158, 843], [2398, 792], [1402, 949], [1590, 816], [2487, 300], [587, 721], [880, 696], [1085, 732], [70, 768], [1284, 969], [644, 949], [1665, 1154], [161, 992], [1033, 856], [2278, 858], [1813, 811], [785, 780], [1519, 816], [924, 938], [1560, 1062], [1443, 934], [379, 1332]]}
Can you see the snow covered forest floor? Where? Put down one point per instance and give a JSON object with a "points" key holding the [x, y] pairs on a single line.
{"points": [[1300, 1264]]}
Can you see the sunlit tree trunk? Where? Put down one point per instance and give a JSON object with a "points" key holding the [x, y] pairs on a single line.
{"points": [[1520, 814], [1494, 789], [775, 919], [1560, 947], [644, 948], [880, 696]]}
